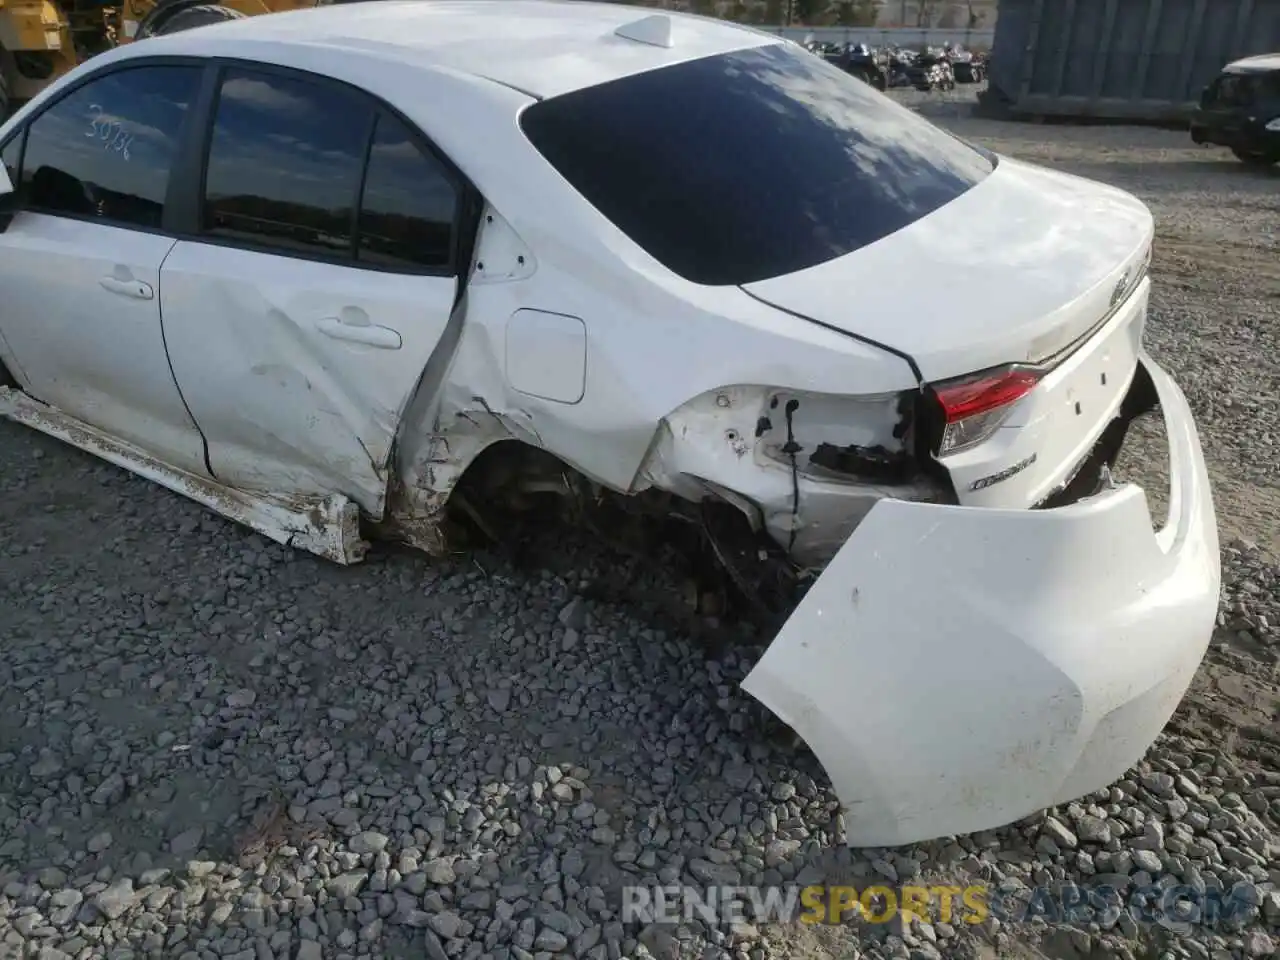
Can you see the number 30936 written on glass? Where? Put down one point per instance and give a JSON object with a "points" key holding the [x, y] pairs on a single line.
{"points": [[109, 132]]}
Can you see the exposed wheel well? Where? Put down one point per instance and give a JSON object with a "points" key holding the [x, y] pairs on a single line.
{"points": [[513, 490]]}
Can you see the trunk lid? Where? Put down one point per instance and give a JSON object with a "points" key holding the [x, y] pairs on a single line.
{"points": [[1017, 269]]}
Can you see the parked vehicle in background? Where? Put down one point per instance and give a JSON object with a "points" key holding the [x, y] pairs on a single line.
{"points": [[1241, 110], [931, 71], [868, 65], [900, 62], [967, 67]]}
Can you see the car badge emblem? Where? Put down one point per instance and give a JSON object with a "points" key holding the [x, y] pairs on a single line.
{"points": [[1122, 287]]}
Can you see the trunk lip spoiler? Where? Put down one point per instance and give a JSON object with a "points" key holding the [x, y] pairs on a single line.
{"points": [[1132, 284]]}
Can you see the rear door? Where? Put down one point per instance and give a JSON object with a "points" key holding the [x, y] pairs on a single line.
{"points": [[321, 279]]}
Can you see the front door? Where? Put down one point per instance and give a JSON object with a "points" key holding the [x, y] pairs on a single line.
{"points": [[80, 262]]}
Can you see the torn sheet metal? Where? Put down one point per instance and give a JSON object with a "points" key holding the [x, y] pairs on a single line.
{"points": [[731, 440], [297, 373], [459, 409], [328, 526], [956, 669]]}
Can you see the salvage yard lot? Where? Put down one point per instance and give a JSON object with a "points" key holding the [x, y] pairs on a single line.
{"points": [[473, 758]]}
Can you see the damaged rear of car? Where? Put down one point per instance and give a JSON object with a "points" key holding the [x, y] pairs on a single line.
{"points": [[995, 627]]}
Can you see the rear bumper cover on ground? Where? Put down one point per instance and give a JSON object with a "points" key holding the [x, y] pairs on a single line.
{"points": [[955, 668]]}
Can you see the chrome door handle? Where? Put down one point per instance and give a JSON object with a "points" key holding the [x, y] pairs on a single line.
{"points": [[128, 288], [370, 334]]}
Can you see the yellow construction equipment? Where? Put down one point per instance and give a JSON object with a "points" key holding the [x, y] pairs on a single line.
{"points": [[42, 39]]}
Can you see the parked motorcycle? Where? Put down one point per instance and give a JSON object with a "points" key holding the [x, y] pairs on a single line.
{"points": [[931, 71], [900, 63], [967, 67]]}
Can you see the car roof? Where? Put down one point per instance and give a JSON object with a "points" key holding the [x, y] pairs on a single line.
{"points": [[1263, 63], [540, 47]]}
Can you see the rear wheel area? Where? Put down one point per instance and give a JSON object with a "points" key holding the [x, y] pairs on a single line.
{"points": [[527, 503]]}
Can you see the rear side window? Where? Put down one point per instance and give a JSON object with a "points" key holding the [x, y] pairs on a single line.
{"points": [[285, 162], [753, 164], [105, 150], [408, 206], [1237, 91]]}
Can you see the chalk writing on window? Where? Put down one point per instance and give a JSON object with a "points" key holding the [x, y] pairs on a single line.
{"points": [[108, 131]]}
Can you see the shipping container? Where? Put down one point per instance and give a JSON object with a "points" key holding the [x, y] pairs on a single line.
{"points": [[1120, 59]]}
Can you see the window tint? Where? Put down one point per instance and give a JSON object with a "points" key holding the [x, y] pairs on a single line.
{"points": [[408, 206], [1236, 90], [1231, 90], [105, 150], [284, 163], [749, 165]]}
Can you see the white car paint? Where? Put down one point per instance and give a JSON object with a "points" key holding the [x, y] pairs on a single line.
{"points": [[298, 389], [1045, 650], [111, 373], [1028, 256], [560, 46], [547, 355], [325, 392], [327, 526], [1055, 423]]}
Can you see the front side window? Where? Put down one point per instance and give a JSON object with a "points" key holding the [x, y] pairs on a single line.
{"points": [[284, 163], [409, 204], [1234, 90], [744, 166], [106, 149]]}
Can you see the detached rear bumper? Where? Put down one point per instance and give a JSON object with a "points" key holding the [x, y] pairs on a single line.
{"points": [[958, 668]]}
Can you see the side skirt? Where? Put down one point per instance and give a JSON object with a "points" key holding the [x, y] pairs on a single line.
{"points": [[328, 527]]}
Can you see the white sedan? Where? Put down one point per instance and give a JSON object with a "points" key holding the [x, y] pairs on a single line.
{"points": [[326, 271]]}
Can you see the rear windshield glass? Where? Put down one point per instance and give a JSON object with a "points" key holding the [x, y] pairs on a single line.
{"points": [[750, 165]]}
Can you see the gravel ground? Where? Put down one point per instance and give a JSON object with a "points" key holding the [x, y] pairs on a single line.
{"points": [[211, 746]]}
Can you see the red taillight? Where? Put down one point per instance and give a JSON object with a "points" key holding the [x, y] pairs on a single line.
{"points": [[1000, 388], [974, 407]]}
